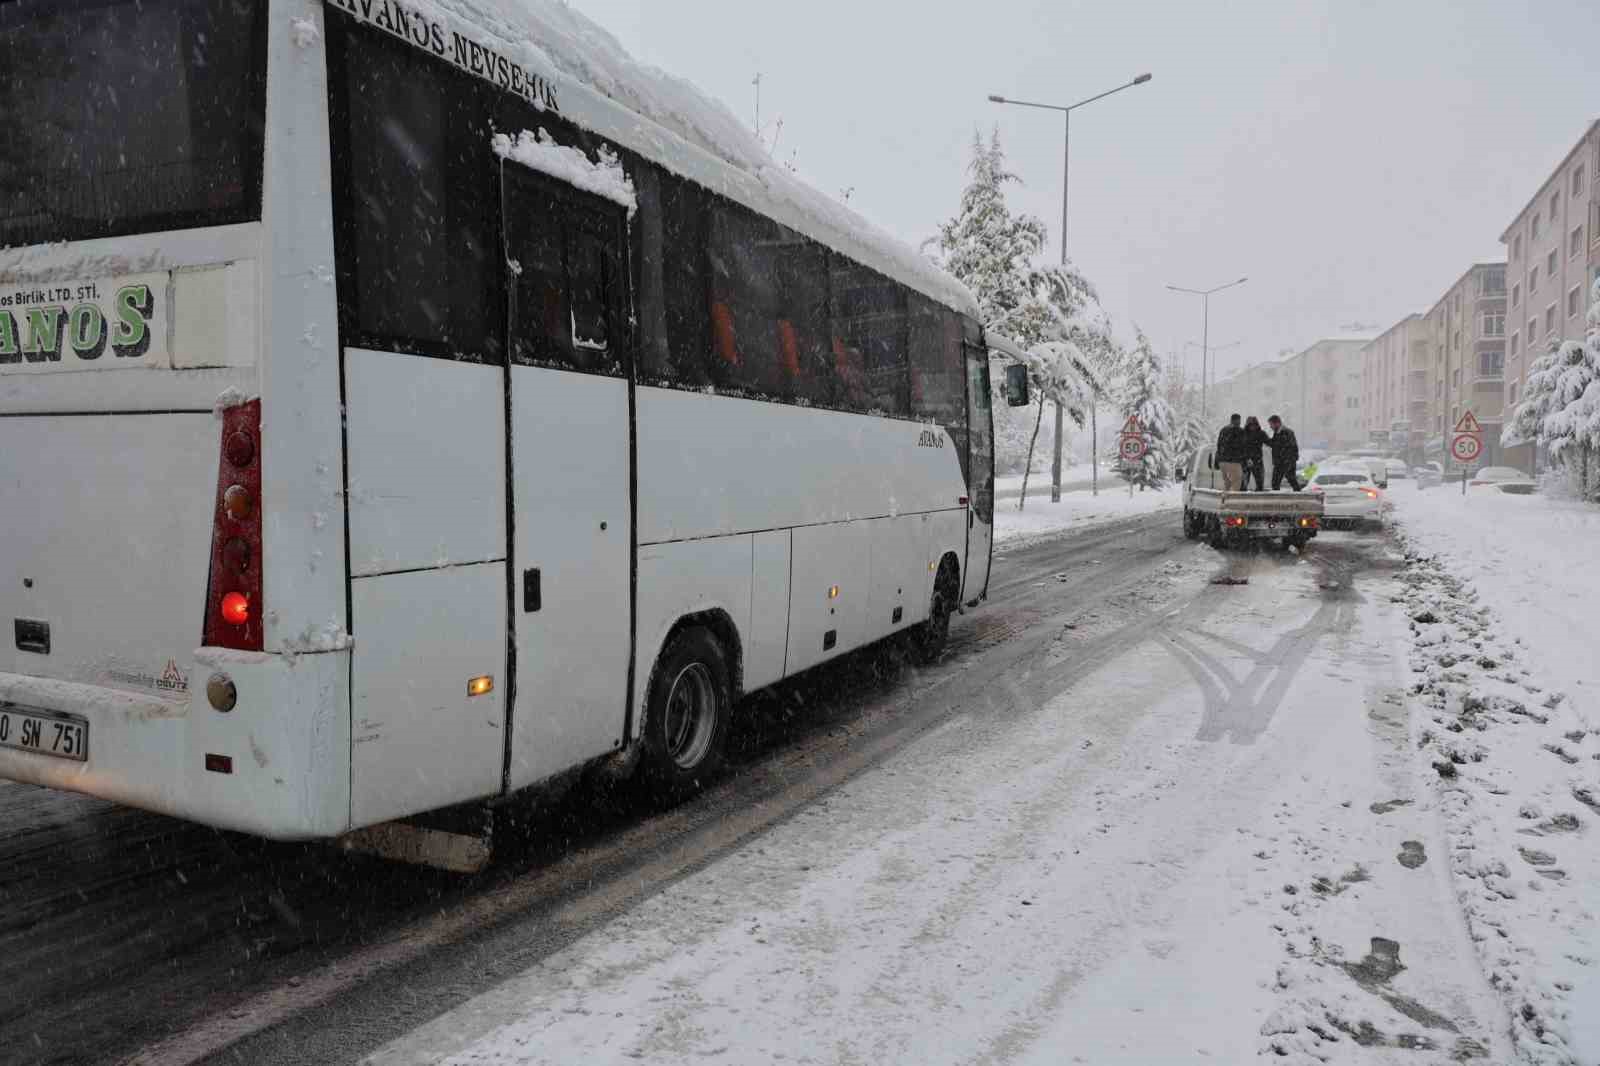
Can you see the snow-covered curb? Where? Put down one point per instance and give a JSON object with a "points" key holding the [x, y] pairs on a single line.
{"points": [[1519, 789], [1041, 519]]}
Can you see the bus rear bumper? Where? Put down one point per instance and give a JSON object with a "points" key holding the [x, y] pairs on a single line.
{"points": [[277, 765]]}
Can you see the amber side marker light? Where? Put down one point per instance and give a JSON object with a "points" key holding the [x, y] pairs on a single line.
{"points": [[480, 686]]}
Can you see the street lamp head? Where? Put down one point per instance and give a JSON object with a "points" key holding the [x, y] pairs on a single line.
{"points": [[1141, 79], [996, 99]]}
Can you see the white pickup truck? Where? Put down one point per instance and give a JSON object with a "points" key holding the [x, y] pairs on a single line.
{"points": [[1227, 518]]}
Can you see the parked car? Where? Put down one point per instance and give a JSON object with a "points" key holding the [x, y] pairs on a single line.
{"points": [[1505, 479], [1398, 470], [1428, 475], [1350, 497]]}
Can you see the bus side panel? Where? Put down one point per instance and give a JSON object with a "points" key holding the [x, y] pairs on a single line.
{"points": [[686, 578], [713, 465], [828, 598], [901, 580], [420, 738], [769, 609]]}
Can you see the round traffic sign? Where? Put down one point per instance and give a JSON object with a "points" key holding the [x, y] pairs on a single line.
{"points": [[1465, 447], [1133, 449]]}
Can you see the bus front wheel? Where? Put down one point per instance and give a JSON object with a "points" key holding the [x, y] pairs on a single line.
{"points": [[686, 718]]}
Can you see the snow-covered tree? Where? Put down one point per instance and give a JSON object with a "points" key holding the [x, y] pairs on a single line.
{"points": [[1560, 409], [1052, 312], [1143, 397]]}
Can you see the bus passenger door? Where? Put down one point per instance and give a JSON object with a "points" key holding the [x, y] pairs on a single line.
{"points": [[980, 467], [571, 473]]}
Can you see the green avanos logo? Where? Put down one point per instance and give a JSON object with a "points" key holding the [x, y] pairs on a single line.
{"points": [[35, 330]]}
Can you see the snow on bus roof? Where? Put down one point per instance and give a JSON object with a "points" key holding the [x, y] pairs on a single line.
{"points": [[599, 85]]}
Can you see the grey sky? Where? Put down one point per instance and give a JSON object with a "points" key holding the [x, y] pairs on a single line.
{"points": [[1352, 158]]}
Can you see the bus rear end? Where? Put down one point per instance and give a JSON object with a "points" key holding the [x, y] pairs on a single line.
{"points": [[151, 653]]}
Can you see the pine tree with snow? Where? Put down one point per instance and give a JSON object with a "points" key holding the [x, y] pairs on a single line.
{"points": [[1560, 408], [1051, 312], [1143, 396]]}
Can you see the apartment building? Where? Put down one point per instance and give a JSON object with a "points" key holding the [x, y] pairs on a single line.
{"points": [[1321, 389], [1552, 256], [1397, 389], [1467, 338]]}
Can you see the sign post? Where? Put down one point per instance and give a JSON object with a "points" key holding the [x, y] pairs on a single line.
{"points": [[1133, 445], [1466, 443]]}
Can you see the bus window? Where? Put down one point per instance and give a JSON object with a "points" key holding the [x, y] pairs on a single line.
{"points": [[869, 333], [938, 371], [419, 256], [130, 118]]}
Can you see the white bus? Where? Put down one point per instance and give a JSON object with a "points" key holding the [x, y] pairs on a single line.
{"points": [[390, 419]]}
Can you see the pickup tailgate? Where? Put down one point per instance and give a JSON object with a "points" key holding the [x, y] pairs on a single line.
{"points": [[106, 544], [1267, 504]]}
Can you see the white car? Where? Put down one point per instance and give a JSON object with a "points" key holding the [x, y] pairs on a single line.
{"points": [[1398, 470], [1505, 479], [1350, 498]]}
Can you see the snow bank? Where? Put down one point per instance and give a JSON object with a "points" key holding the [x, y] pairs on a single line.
{"points": [[1077, 510], [539, 151], [1501, 593]]}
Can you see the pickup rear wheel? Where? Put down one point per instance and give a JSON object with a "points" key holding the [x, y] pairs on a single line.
{"points": [[1193, 525], [1219, 536]]}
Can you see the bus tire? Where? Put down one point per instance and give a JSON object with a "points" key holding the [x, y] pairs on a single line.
{"points": [[928, 640], [686, 717]]}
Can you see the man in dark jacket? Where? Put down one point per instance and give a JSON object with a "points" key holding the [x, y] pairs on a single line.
{"points": [[1230, 454], [1285, 454]]}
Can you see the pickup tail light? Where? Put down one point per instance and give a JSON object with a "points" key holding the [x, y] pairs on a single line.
{"points": [[234, 617], [1235, 521], [1309, 522]]}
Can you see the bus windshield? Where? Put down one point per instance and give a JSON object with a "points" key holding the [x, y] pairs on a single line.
{"points": [[129, 117]]}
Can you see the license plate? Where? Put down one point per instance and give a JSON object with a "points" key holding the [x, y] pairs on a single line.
{"points": [[44, 733]]}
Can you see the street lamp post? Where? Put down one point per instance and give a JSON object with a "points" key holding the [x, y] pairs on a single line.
{"points": [[1205, 328], [1066, 155]]}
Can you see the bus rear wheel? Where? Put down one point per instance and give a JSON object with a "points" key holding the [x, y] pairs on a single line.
{"points": [[686, 718], [929, 638]]}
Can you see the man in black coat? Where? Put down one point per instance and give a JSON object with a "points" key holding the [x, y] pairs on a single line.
{"points": [[1230, 455], [1285, 454]]}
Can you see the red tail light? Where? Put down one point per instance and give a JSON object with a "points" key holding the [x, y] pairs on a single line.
{"points": [[234, 617], [1234, 520]]}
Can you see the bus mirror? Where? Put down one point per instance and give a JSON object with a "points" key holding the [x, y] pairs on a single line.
{"points": [[1017, 385]]}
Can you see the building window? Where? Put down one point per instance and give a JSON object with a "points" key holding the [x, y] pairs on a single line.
{"points": [[1516, 295], [1513, 393], [1572, 301], [1533, 280], [1516, 345], [1494, 325], [1533, 233], [1575, 245], [1516, 247], [1491, 364], [1455, 379], [1555, 205], [1577, 180], [1533, 331], [1550, 263], [1550, 319]]}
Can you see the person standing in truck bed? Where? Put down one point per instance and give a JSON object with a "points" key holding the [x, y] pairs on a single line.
{"points": [[1255, 439], [1231, 454], [1285, 454]]}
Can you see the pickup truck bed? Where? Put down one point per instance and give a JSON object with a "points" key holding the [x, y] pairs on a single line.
{"points": [[1227, 518]]}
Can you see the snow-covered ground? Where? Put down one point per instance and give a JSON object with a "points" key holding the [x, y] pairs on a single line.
{"points": [[1077, 510], [1501, 592], [1012, 483], [1210, 840]]}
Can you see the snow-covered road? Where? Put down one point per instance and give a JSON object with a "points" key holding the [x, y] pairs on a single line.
{"points": [[1206, 842]]}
